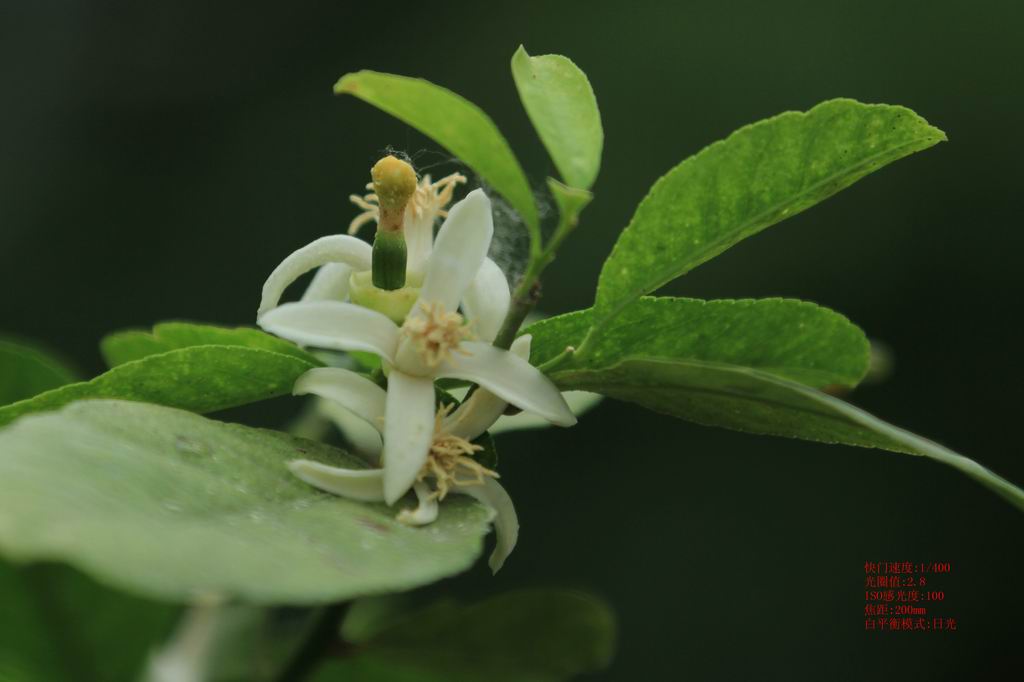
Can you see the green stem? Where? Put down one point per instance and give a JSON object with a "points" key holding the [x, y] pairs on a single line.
{"points": [[319, 645], [389, 260]]}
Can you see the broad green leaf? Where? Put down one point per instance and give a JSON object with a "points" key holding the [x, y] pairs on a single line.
{"points": [[26, 371], [453, 122], [58, 625], [793, 339], [197, 378], [758, 176], [523, 636], [710, 390], [135, 344], [561, 105], [168, 504]]}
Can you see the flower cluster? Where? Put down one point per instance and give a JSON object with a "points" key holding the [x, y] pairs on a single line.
{"points": [[420, 335]]}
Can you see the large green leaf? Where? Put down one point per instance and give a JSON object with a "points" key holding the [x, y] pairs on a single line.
{"points": [[58, 625], [196, 378], [562, 107], [170, 504], [453, 122], [26, 371], [524, 636], [706, 388], [135, 344], [794, 339], [758, 176]]}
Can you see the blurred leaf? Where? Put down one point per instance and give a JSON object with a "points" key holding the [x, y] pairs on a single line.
{"points": [[58, 625], [26, 371], [794, 339], [453, 122], [135, 344], [710, 390], [561, 105], [523, 636], [198, 378], [169, 504], [758, 176]]}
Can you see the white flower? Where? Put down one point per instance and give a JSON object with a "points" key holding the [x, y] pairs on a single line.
{"points": [[448, 464], [431, 344], [343, 259]]}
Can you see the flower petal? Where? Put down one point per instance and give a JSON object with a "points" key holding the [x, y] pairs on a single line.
{"points": [[510, 377], [333, 325], [408, 431], [330, 283], [506, 523], [482, 409], [486, 300], [365, 485], [362, 439], [334, 249], [350, 390], [419, 241], [579, 402], [426, 507], [459, 250]]}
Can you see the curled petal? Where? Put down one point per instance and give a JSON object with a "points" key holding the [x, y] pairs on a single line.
{"points": [[482, 409], [334, 249], [509, 377], [363, 440], [426, 508], [350, 390], [365, 485], [333, 325], [486, 300], [330, 283], [506, 523], [579, 402], [459, 250], [408, 431]]}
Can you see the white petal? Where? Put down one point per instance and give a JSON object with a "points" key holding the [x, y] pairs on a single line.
{"points": [[330, 283], [426, 508], [506, 523], [334, 249], [365, 485], [333, 325], [486, 300], [483, 408], [579, 402], [362, 439], [350, 390], [419, 241], [459, 250], [408, 431], [510, 377]]}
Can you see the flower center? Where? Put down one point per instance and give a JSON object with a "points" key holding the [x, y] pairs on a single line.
{"points": [[451, 456], [435, 333], [430, 198]]}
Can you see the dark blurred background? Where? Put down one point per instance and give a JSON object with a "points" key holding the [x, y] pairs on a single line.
{"points": [[157, 160]]}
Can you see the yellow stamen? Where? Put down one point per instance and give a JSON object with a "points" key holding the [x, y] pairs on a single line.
{"points": [[449, 455], [429, 198], [436, 333]]}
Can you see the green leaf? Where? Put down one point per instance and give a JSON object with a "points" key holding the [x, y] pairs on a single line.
{"points": [[522, 636], [701, 385], [457, 124], [58, 625], [793, 339], [758, 176], [168, 504], [199, 378], [561, 105], [26, 371], [135, 344]]}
